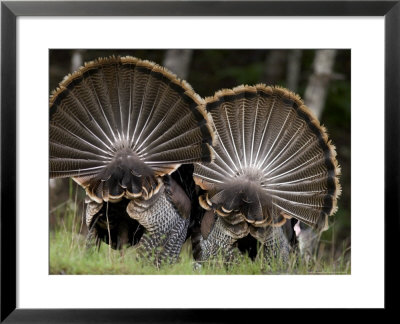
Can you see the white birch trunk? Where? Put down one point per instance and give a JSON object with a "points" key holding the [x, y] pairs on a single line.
{"points": [[178, 61], [317, 88], [76, 59]]}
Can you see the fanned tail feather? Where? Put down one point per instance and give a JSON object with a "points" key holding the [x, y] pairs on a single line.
{"points": [[272, 157], [117, 122]]}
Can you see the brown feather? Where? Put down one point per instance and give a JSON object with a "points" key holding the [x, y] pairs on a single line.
{"points": [[272, 156], [117, 123]]}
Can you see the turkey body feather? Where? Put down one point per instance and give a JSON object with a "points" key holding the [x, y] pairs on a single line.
{"points": [[119, 126], [273, 161]]}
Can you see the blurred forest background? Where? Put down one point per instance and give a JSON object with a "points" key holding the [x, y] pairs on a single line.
{"points": [[321, 77]]}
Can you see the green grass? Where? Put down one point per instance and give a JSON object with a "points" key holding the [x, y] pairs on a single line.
{"points": [[68, 256]]}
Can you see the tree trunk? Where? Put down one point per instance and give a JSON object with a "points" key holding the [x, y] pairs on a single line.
{"points": [[317, 88], [178, 61], [293, 69], [76, 59], [275, 63]]}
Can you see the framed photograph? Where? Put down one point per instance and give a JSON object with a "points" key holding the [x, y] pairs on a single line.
{"points": [[340, 59], [245, 70]]}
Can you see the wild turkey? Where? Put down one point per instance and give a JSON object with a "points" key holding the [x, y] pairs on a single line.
{"points": [[273, 162], [120, 126]]}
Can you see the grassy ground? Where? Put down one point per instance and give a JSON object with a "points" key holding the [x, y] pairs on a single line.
{"points": [[68, 256]]}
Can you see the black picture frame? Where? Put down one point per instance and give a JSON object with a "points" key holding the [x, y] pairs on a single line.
{"points": [[10, 10]]}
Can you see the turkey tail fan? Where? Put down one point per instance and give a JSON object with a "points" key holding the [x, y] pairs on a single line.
{"points": [[118, 122], [273, 159]]}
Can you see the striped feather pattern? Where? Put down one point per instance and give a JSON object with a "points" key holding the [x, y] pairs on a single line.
{"points": [[273, 159], [118, 122]]}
